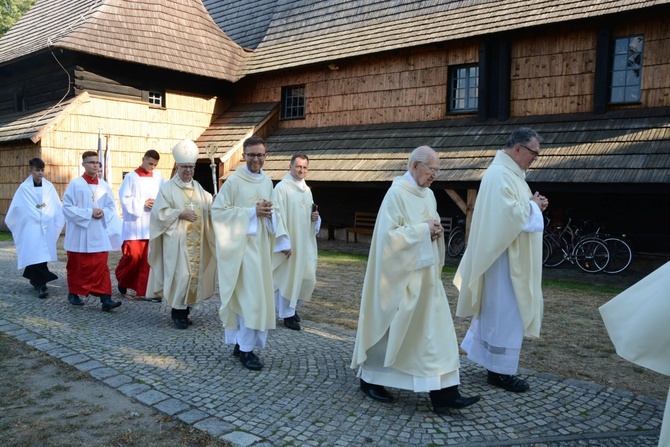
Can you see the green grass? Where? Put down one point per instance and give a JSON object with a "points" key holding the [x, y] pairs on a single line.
{"points": [[341, 257], [5, 236], [559, 284], [555, 284]]}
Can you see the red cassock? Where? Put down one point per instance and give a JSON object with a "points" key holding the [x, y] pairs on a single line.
{"points": [[133, 269], [88, 274]]}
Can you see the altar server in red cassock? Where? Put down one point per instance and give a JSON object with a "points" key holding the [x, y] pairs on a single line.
{"points": [[137, 194], [89, 211]]}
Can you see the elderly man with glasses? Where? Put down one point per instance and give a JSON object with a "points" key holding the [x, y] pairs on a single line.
{"points": [[500, 275], [245, 226], [406, 336], [181, 240]]}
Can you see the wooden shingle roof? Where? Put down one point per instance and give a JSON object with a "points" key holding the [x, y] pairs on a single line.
{"points": [[235, 125], [305, 32], [622, 147], [32, 124], [173, 34]]}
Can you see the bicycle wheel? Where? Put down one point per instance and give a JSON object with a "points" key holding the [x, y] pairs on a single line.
{"points": [[591, 255], [456, 242], [557, 251], [620, 255]]}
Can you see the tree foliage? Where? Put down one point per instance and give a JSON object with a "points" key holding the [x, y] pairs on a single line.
{"points": [[11, 11]]}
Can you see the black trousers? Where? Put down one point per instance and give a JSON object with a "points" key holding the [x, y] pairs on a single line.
{"points": [[39, 274]]}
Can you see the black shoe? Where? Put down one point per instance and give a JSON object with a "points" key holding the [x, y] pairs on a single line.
{"points": [[297, 317], [74, 299], [291, 323], [180, 323], [236, 350], [250, 361], [108, 304], [42, 292], [507, 382], [156, 299], [122, 290], [376, 392], [456, 404]]}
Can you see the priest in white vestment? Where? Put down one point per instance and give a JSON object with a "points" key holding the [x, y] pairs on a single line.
{"points": [[244, 224], [500, 275], [295, 253], [637, 322], [406, 336], [90, 214], [137, 195], [181, 244], [35, 218]]}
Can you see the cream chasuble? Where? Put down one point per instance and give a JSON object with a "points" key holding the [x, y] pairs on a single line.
{"points": [[35, 221], [245, 266], [403, 303], [637, 322], [500, 214], [181, 253], [295, 277]]}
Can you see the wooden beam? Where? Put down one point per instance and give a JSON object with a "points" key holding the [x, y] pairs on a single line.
{"points": [[460, 203], [472, 198]]}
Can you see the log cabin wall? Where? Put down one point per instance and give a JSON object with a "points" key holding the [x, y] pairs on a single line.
{"points": [[552, 72], [133, 127], [403, 86]]}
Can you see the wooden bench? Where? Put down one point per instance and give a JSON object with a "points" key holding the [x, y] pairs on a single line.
{"points": [[364, 223]]}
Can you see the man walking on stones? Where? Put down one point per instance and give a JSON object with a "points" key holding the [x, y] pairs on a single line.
{"points": [[406, 337], [295, 253], [500, 275], [245, 223], [181, 244], [90, 211], [35, 218], [137, 195]]}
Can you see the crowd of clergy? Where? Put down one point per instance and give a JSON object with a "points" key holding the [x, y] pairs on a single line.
{"points": [[259, 243]]}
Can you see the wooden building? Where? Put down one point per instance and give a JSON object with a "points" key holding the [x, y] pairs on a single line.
{"points": [[356, 85]]}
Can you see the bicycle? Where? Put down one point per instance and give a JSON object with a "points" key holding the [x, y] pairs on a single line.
{"points": [[588, 252], [621, 254], [456, 240]]}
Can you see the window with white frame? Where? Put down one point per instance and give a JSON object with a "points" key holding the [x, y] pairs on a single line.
{"points": [[463, 88], [626, 79], [293, 102]]}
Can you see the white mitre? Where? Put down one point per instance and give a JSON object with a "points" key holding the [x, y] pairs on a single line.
{"points": [[185, 151]]}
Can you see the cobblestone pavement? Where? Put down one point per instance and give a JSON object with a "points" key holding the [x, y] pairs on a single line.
{"points": [[306, 395]]}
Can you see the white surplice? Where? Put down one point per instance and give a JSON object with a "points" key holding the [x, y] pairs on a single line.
{"points": [[83, 233], [35, 218]]}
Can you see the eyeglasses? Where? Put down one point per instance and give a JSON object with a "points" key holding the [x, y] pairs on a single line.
{"points": [[431, 170], [187, 167], [252, 156], [536, 154]]}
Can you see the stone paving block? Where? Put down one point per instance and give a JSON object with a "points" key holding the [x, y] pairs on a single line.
{"points": [[61, 352], [214, 427], [172, 406], [8, 328], [103, 373], [26, 336], [46, 346], [75, 359], [90, 365], [151, 397], [133, 389], [37, 341], [118, 381], [240, 438], [192, 416]]}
